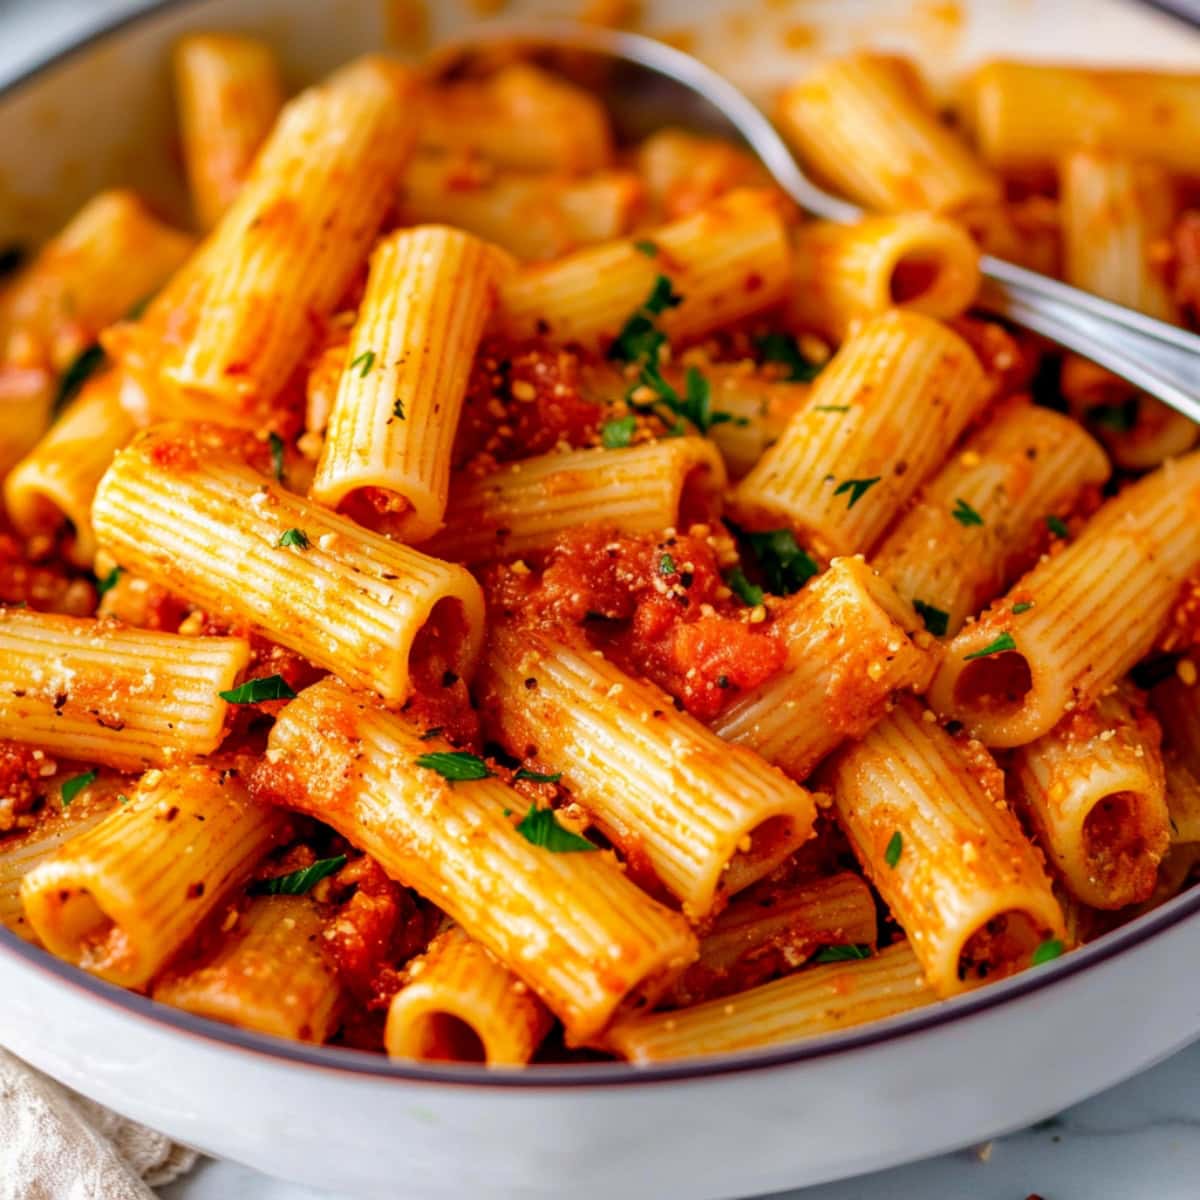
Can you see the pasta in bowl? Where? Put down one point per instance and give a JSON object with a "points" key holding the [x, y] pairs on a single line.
{"points": [[490, 594]]}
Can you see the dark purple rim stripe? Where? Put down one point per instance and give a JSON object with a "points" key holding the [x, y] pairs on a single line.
{"points": [[593, 1075]]}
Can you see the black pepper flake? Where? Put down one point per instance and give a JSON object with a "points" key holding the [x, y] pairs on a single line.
{"points": [[530, 684], [195, 890]]}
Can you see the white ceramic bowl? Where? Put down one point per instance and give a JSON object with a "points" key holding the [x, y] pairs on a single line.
{"points": [[961, 1072]]}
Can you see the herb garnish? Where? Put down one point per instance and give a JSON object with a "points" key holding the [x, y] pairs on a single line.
{"points": [[365, 361], [398, 409], [640, 337], [831, 408], [73, 786], [455, 765], [618, 433], [294, 537], [106, 585], [85, 364], [646, 247], [747, 592], [1048, 951], [268, 687], [297, 883], [1002, 643], [695, 405], [964, 514], [857, 488], [783, 348], [895, 848], [540, 827], [1021, 606], [276, 444], [537, 776], [1058, 527], [936, 621], [785, 564], [666, 565], [850, 952]]}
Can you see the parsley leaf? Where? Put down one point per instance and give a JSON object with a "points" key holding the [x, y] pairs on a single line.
{"points": [[106, 585], [398, 409], [964, 514], [1002, 643], [85, 364], [297, 883], [1058, 527], [857, 488], [1048, 951], [276, 444], [747, 592], [831, 408], [695, 405], [268, 687], [666, 565], [936, 621], [848, 953], [73, 786], [540, 827], [783, 348], [895, 848], [618, 433], [455, 765], [1022, 606], [365, 361], [537, 776], [294, 537], [646, 247], [640, 337], [785, 564]]}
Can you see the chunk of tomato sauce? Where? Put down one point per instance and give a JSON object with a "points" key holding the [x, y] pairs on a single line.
{"points": [[658, 606]]}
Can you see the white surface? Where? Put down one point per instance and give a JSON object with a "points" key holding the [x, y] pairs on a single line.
{"points": [[1139, 1140]]}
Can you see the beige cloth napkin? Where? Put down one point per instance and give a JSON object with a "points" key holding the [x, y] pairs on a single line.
{"points": [[57, 1145]]}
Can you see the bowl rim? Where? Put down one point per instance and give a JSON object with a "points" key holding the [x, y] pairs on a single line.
{"points": [[365, 1065]]}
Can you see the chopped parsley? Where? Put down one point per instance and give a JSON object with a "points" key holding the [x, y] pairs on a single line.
{"points": [[857, 488], [936, 621], [747, 592], [540, 827], [1021, 606], [646, 247], [841, 408], [398, 409], [276, 444], [785, 564], [851, 952], [999, 646], [122, 798], [964, 514], [1048, 951], [640, 338], [365, 361], [895, 848], [253, 691], [85, 364], [294, 537], [666, 565], [695, 405], [73, 786], [455, 765], [783, 348], [106, 585], [537, 776], [297, 883], [1058, 527], [618, 433]]}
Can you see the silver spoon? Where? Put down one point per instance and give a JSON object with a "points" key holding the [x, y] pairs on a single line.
{"points": [[647, 84]]}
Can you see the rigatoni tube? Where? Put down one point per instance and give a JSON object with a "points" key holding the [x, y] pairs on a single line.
{"points": [[571, 925], [285, 251], [179, 508], [852, 644], [706, 818], [847, 273], [945, 853], [863, 123], [818, 1000], [880, 418], [1093, 791], [974, 524], [120, 899], [525, 506], [101, 693], [1081, 618], [729, 260], [229, 94], [267, 973], [461, 1004], [386, 458], [55, 482]]}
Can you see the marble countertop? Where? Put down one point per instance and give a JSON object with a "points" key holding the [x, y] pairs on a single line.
{"points": [[1138, 1141]]}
